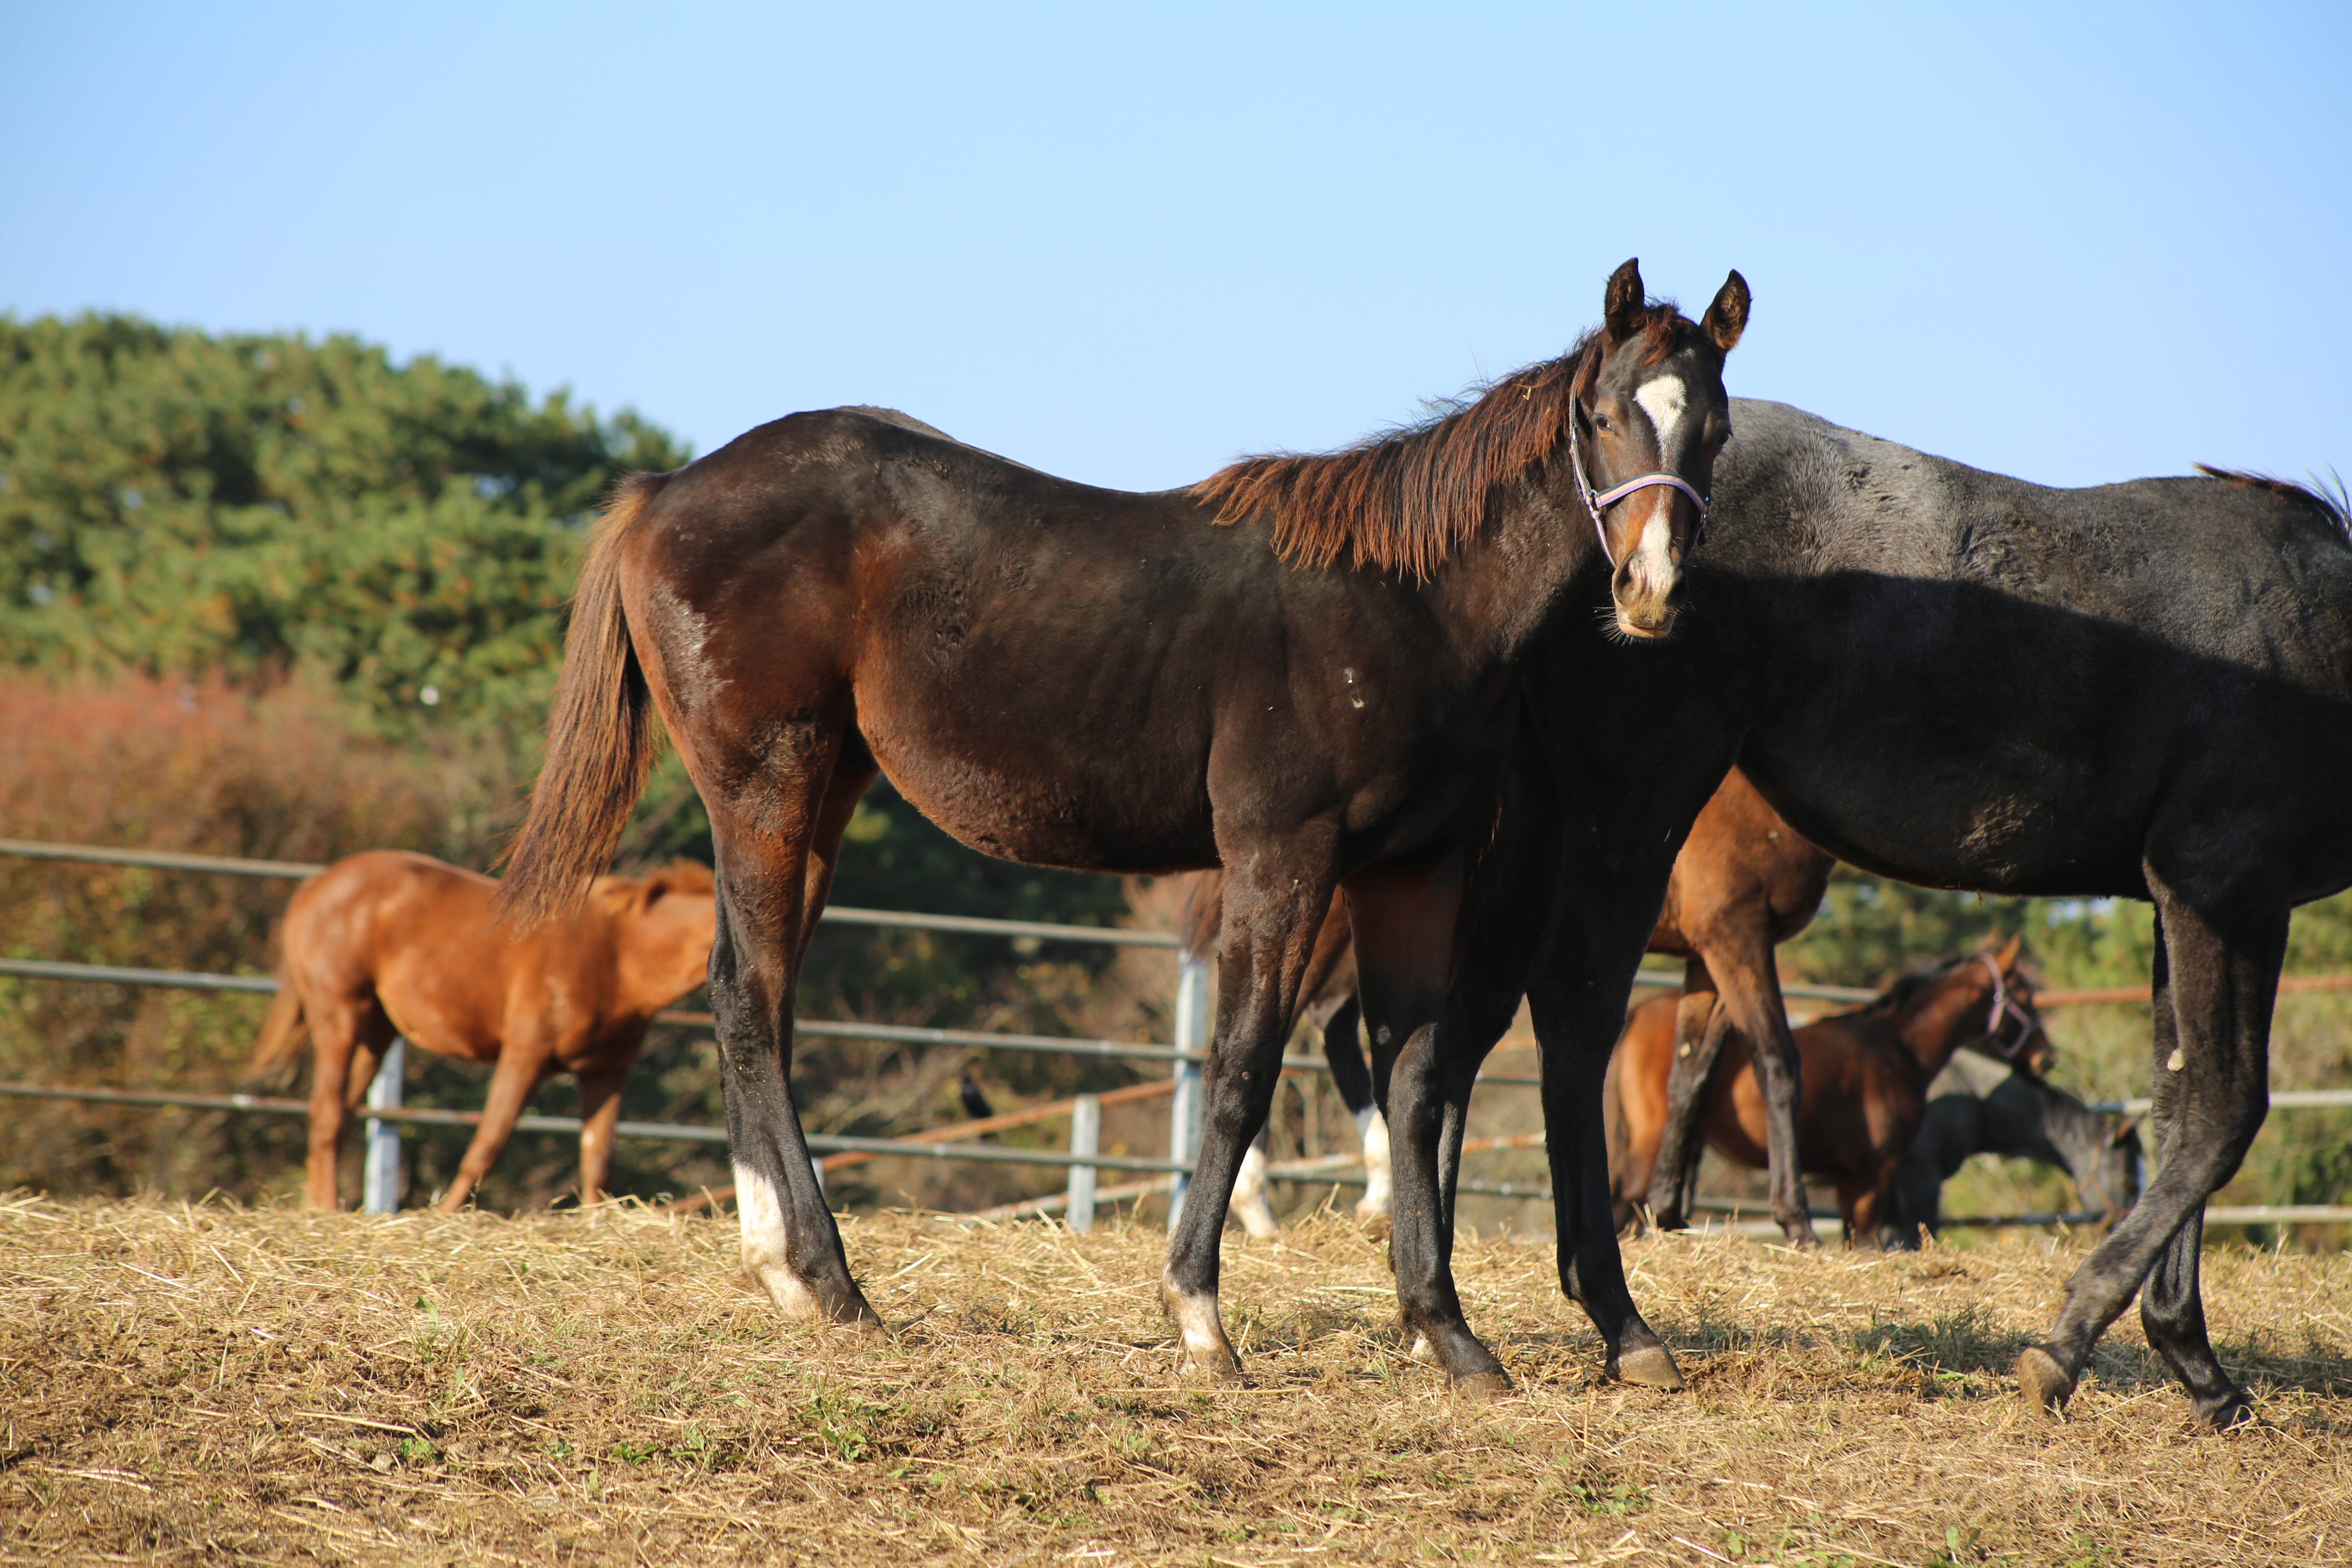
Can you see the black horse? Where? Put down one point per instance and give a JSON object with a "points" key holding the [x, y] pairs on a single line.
{"points": [[1962, 680], [1981, 1104], [1320, 693]]}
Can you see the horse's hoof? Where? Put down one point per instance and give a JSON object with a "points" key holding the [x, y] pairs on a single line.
{"points": [[1477, 1387], [1376, 1226], [1651, 1366], [1210, 1366], [2044, 1383], [2231, 1409]]}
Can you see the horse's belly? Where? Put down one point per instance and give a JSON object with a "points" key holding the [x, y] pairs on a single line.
{"points": [[1088, 819]]}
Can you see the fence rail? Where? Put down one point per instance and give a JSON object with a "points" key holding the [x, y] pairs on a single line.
{"points": [[1186, 1055]]}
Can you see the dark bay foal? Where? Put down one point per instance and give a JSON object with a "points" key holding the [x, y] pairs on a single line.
{"points": [[1302, 670], [1867, 1073]]}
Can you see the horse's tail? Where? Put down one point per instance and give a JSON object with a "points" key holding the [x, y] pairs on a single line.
{"points": [[599, 743], [281, 1037], [1202, 915]]}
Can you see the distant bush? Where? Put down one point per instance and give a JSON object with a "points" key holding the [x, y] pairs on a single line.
{"points": [[237, 508]]}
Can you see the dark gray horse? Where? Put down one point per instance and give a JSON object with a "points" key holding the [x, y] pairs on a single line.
{"points": [[1957, 679], [1981, 1105]]}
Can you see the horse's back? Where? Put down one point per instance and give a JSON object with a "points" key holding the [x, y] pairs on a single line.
{"points": [[2048, 669]]}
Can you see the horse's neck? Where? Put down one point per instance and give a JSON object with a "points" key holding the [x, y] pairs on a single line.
{"points": [[2014, 1121], [1501, 588], [2074, 1132], [1943, 1020]]}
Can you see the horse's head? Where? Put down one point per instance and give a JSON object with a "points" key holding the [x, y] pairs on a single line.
{"points": [[1650, 413], [2108, 1173], [1983, 999], [664, 924]]}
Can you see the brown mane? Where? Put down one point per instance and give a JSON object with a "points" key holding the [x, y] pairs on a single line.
{"points": [[1405, 501]]}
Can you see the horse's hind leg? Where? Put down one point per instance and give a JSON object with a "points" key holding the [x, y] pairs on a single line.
{"points": [[1343, 1050], [1739, 954], [767, 836], [342, 1037], [2216, 977], [600, 1112], [1701, 1026]]}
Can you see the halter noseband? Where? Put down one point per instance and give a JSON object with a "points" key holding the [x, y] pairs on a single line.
{"points": [[2005, 1009], [1595, 503]]}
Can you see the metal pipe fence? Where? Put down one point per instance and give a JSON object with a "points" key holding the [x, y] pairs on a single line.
{"points": [[386, 1115]]}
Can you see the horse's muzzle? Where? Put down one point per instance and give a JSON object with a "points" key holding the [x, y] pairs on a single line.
{"points": [[1646, 606]]}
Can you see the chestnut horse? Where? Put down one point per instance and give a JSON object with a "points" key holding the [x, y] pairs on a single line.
{"points": [[1301, 669], [389, 944], [1963, 680], [1744, 883], [1866, 1074]]}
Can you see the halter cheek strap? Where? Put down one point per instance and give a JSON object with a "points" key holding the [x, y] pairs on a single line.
{"points": [[2005, 1008], [1594, 504]]}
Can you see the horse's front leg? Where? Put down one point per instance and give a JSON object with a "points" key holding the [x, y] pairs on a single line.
{"points": [[2215, 981], [1274, 900], [1405, 920], [1576, 990], [523, 1064]]}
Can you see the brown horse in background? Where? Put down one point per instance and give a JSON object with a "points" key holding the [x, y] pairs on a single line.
{"points": [[1744, 883], [389, 943], [1866, 1074]]}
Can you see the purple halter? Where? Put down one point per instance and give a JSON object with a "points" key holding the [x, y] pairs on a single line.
{"points": [[1594, 504], [2005, 1009]]}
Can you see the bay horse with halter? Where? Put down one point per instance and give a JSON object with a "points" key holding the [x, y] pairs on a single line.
{"points": [[389, 944], [1301, 669], [1745, 882], [1866, 1077], [1963, 680]]}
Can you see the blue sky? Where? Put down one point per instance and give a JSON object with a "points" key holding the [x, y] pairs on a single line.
{"points": [[1127, 244]]}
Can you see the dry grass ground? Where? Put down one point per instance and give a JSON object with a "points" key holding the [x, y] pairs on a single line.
{"points": [[270, 1385]]}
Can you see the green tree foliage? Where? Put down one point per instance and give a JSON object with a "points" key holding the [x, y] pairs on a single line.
{"points": [[177, 504]]}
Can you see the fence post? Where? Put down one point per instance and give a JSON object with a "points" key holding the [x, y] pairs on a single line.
{"points": [[1086, 1138], [383, 1161], [1184, 1105]]}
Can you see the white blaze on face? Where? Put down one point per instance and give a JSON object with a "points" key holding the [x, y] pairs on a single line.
{"points": [[765, 1232], [1662, 398]]}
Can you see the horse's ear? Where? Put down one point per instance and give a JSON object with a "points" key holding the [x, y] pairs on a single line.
{"points": [[2007, 956], [1727, 319], [1622, 305]]}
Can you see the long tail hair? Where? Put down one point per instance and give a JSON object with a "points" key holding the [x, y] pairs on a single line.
{"points": [[281, 1037], [600, 744]]}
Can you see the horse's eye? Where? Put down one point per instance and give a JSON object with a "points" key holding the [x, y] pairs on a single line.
{"points": [[1601, 421]]}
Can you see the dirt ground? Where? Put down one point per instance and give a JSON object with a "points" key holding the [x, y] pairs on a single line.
{"points": [[232, 1385]]}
